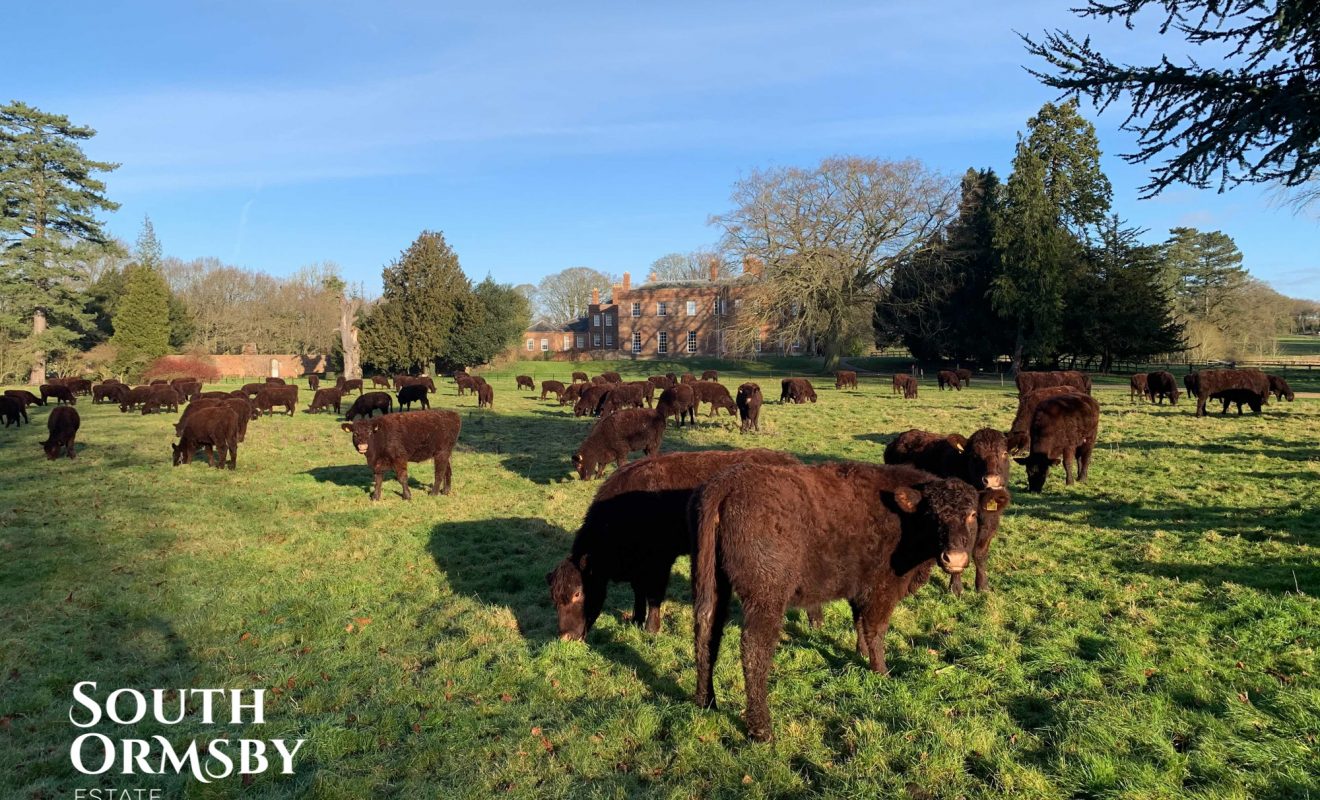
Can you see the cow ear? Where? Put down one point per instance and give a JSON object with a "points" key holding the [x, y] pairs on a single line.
{"points": [[582, 564], [958, 441], [995, 500], [348, 426], [908, 499], [1022, 461]]}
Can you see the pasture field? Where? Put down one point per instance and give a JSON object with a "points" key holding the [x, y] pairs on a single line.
{"points": [[1153, 633]]}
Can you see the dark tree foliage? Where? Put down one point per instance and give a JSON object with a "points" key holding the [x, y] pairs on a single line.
{"points": [[1252, 116], [490, 320], [410, 328]]}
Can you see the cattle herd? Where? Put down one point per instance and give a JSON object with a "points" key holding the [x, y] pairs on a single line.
{"points": [[758, 523]]}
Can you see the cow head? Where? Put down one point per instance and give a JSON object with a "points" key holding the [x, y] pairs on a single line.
{"points": [[580, 464], [986, 457], [1038, 468], [950, 506], [362, 430], [567, 592], [181, 456], [1017, 441]]}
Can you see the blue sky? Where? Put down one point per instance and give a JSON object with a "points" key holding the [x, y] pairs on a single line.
{"points": [[541, 136]]}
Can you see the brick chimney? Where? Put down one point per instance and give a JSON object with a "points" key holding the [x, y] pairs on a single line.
{"points": [[595, 296], [714, 269], [627, 281], [650, 278]]}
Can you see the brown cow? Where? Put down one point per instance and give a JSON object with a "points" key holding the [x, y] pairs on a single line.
{"points": [[688, 377], [383, 381], [13, 411], [524, 381], [907, 385], [1137, 387], [634, 530], [313, 382], [806, 535], [161, 397], [391, 441], [215, 428], [465, 383], [590, 399], [799, 390], [660, 382], [717, 394], [134, 397], [368, 403], [1279, 388], [579, 376], [60, 392], [1063, 428], [326, 398], [28, 398], [270, 397], [710, 375], [611, 377], [845, 379], [617, 435], [1161, 385], [964, 376], [1212, 383], [485, 395], [678, 401], [1028, 382], [347, 386], [623, 395], [556, 387], [244, 410], [1019, 433], [62, 428], [107, 392], [947, 378], [749, 406]]}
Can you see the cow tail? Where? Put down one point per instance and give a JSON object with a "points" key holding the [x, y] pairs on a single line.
{"points": [[703, 522]]}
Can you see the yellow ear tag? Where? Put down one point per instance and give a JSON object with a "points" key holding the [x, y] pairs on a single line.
{"points": [[960, 447], [992, 506]]}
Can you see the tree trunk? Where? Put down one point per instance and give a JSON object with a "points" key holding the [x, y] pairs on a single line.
{"points": [[38, 376], [1015, 366], [348, 338]]}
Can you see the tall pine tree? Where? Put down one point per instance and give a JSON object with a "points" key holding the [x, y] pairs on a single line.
{"points": [[142, 321], [48, 204], [410, 328]]}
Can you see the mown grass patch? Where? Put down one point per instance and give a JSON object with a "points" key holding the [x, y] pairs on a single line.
{"points": [[1152, 633]]}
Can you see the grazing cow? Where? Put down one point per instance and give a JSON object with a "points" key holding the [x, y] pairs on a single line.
{"points": [[485, 395], [948, 378], [421, 380], [599, 380], [525, 381], [617, 435], [678, 401], [28, 398], [552, 387], [244, 410], [612, 377], [464, 383], [688, 377], [1280, 388], [749, 406], [187, 390], [805, 535], [981, 460], [251, 389], [13, 410], [648, 391], [383, 382], [366, 404], [660, 382], [1137, 387], [313, 382], [478, 380], [215, 394], [62, 427], [413, 393], [623, 395], [216, 429], [194, 407], [964, 376], [62, 394], [107, 392], [1239, 396], [1213, 383], [1028, 382], [326, 398], [286, 396], [1019, 433], [239, 393], [161, 397], [276, 381], [717, 394], [1062, 428], [159, 382], [799, 390], [135, 397], [580, 376], [634, 530], [710, 375], [347, 386], [845, 379], [1192, 383], [589, 401], [390, 442], [77, 385], [906, 384], [1160, 385], [572, 392], [898, 383]]}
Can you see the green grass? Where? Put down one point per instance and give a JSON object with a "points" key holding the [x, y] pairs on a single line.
{"points": [[1300, 346], [1152, 633]]}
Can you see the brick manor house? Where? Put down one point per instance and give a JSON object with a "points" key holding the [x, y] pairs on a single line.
{"points": [[656, 318]]}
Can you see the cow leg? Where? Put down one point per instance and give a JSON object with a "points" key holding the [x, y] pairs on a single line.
{"points": [[1083, 461], [655, 587], [1068, 457], [980, 555], [875, 620], [233, 453], [815, 617], [210, 455], [762, 622], [401, 471], [380, 477], [709, 634], [69, 449]]}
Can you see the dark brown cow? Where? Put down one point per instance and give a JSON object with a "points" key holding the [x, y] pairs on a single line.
{"points": [[61, 393], [947, 378], [1028, 382], [749, 406], [485, 395], [276, 381], [907, 385], [845, 379], [196, 406], [898, 383], [1279, 388], [572, 392], [687, 377], [216, 394], [368, 403], [187, 390], [413, 393], [62, 428], [1161, 385], [964, 376], [1239, 396], [158, 382], [391, 441], [270, 397], [555, 387], [465, 383], [623, 395], [1211, 383], [590, 399], [313, 382], [325, 399], [678, 401], [107, 392], [1137, 387], [717, 394], [244, 410], [383, 381], [612, 377], [28, 398], [981, 460], [13, 411], [599, 380], [347, 386], [617, 435], [524, 381], [1019, 433], [134, 397], [799, 390], [1191, 382], [421, 380], [710, 375], [216, 429], [161, 397], [660, 382], [251, 389], [1063, 428], [805, 535], [634, 530], [580, 376]]}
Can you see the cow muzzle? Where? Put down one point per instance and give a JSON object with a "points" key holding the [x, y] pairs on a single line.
{"points": [[993, 481], [953, 561], [362, 448]]}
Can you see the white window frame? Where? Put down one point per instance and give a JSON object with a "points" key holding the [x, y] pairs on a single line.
{"points": [[662, 308], [531, 345], [545, 344], [691, 308], [581, 341], [595, 320], [757, 346], [636, 309], [609, 340], [609, 320], [692, 341], [637, 342], [662, 342], [568, 341], [595, 340]]}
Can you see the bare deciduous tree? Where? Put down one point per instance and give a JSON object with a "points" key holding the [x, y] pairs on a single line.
{"points": [[830, 238], [565, 295], [694, 265]]}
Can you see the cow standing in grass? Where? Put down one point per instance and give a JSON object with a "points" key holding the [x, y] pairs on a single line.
{"points": [[391, 441]]}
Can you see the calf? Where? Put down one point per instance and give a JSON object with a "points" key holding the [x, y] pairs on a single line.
{"points": [[805, 535], [347, 386], [215, 428], [552, 387], [964, 376], [383, 382], [710, 375], [1019, 433], [845, 379], [1239, 396], [717, 394], [524, 382], [799, 390], [947, 378], [27, 398], [1137, 387], [622, 395], [1213, 383], [368, 403], [1160, 385], [906, 384], [13, 411], [749, 407], [326, 398], [485, 395], [413, 393], [61, 393], [678, 401], [634, 530], [1062, 428], [1280, 388], [464, 383], [981, 460], [390, 442], [577, 376], [617, 435], [314, 383], [62, 427], [270, 397], [161, 397]]}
